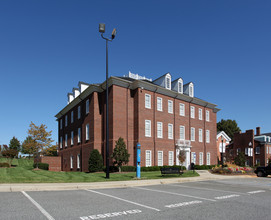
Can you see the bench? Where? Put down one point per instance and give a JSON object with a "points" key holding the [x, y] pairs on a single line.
{"points": [[171, 170]]}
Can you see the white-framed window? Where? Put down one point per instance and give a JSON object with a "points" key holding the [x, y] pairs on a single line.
{"points": [[182, 132], [247, 163], [160, 158], [170, 106], [87, 106], [147, 128], [170, 158], [87, 132], [168, 82], [191, 90], [71, 137], [159, 104], [246, 151], [71, 116], [238, 150], [148, 158], [257, 150], [250, 152], [170, 131], [66, 120], [71, 160], [147, 101], [193, 157], [208, 158], [200, 158], [182, 109], [79, 135], [180, 86], [207, 136], [192, 134], [258, 161], [192, 111], [266, 150], [60, 123], [159, 129], [66, 140], [60, 142], [78, 161], [222, 148], [207, 115], [200, 135], [200, 114], [79, 112]]}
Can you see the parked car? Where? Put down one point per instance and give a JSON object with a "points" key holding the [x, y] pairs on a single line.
{"points": [[263, 171]]}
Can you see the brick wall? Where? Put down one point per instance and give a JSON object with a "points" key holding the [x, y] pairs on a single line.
{"points": [[54, 163]]}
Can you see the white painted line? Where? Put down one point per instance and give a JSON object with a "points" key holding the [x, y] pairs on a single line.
{"points": [[135, 203], [177, 194], [208, 189], [257, 191], [183, 204], [226, 197], [46, 214]]}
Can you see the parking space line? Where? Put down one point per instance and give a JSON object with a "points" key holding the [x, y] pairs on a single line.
{"points": [[114, 197], [43, 211], [257, 191], [208, 189], [177, 194]]}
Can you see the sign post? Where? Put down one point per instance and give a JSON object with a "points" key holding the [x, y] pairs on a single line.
{"points": [[138, 151]]}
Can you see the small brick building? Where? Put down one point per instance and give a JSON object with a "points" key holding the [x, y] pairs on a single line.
{"points": [[162, 115]]}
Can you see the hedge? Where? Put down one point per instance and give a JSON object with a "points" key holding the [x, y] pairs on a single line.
{"points": [[204, 167], [143, 169], [43, 166], [4, 165]]}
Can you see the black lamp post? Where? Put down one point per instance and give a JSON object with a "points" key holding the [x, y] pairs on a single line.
{"points": [[102, 30], [221, 155]]}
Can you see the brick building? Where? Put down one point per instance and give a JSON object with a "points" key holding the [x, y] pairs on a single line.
{"points": [[162, 115], [221, 145], [256, 147]]}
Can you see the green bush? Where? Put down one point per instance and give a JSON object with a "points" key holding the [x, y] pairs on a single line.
{"points": [[204, 167], [4, 165], [128, 168], [43, 166], [95, 162], [157, 168], [112, 169]]}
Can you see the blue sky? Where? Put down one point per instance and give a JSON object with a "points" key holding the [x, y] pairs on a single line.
{"points": [[47, 47]]}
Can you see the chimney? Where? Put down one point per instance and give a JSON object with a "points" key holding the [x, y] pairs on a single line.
{"points": [[258, 131]]}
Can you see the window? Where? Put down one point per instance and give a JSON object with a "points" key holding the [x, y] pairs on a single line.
{"points": [[238, 150], [66, 140], [246, 151], [192, 134], [200, 158], [222, 147], [200, 135], [191, 90], [207, 115], [66, 120], [170, 158], [147, 101], [79, 135], [78, 161], [207, 136], [60, 124], [180, 87], [159, 104], [60, 142], [159, 129], [182, 132], [168, 83], [258, 161], [160, 158], [182, 110], [266, 150], [72, 138], [79, 112], [147, 128], [71, 160], [71, 116], [170, 106], [247, 163], [148, 158], [250, 152], [170, 131], [208, 158], [193, 157], [87, 106], [192, 112], [257, 150], [87, 132], [200, 114]]}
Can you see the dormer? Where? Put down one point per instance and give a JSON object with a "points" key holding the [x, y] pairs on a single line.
{"points": [[82, 86], [76, 92], [188, 89], [164, 81], [177, 85], [70, 98]]}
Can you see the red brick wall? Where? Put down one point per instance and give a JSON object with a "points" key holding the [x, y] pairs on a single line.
{"points": [[54, 163]]}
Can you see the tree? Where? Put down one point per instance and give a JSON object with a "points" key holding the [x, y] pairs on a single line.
{"points": [[15, 144], [95, 162], [29, 146], [182, 157], [240, 159], [51, 151], [9, 154], [228, 126], [120, 153]]}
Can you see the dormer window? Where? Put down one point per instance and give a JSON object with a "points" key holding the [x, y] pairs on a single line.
{"points": [[180, 86], [168, 81], [191, 90]]}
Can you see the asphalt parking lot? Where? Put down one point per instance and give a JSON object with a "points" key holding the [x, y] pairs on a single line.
{"points": [[220, 199]]}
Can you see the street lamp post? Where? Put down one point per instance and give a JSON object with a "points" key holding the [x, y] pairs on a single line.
{"points": [[221, 155], [102, 30]]}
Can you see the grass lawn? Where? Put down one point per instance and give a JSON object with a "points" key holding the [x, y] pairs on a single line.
{"points": [[23, 173]]}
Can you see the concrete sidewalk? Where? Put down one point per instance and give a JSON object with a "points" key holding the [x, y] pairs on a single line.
{"points": [[204, 176]]}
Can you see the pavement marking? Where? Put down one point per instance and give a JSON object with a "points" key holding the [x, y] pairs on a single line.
{"points": [[227, 197], [257, 191], [208, 189], [183, 204], [135, 203], [178, 194], [43, 211]]}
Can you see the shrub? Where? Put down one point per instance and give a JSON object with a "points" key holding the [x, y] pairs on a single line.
{"points": [[128, 169], [43, 166], [95, 162], [204, 167], [4, 164], [112, 169]]}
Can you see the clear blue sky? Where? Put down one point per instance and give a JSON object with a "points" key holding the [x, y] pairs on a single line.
{"points": [[47, 47]]}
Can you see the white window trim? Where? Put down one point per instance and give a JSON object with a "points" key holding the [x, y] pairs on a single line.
{"points": [[208, 158], [147, 122], [182, 109], [71, 162], [79, 112], [159, 104], [78, 161], [72, 138], [200, 158], [146, 152], [160, 133], [160, 159], [181, 126], [87, 106], [193, 158], [207, 115], [193, 134], [148, 104], [168, 77], [207, 136], [191, 94], [200, 135], [171, 159], [79, 135], [66, 140], [180, 82], [170, 131], [87, 132], [200, 114], [170, 109], [192, 111], [61, 142], [256, 150]]}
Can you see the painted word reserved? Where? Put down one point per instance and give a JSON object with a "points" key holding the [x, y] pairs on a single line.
{"points": [[111, 215]]}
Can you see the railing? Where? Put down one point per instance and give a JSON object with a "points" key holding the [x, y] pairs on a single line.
{"points": [[183, 142]]}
